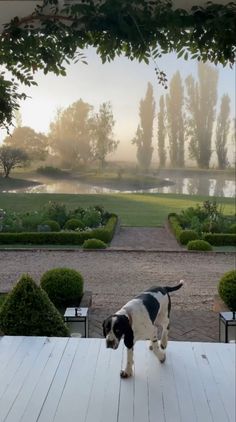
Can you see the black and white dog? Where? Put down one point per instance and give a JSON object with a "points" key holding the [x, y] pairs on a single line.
{"points": [[138, 320]]}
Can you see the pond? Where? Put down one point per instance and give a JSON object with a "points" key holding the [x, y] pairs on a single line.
{"points": [[194, 185]]}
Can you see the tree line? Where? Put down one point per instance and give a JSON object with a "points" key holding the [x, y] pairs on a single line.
{"points": [[185, 119], [185, 122]]}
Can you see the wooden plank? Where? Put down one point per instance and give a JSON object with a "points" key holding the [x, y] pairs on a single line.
{"points": [[7, 375], [126, 403], [202, 410], [97, 406], [155, 394], [13, 389], [40, 392], [170, 396], [176, 356], [75, 397], [17, 410], [224, 381], [8, 347], [58, 384], [141, 410], [210, 389], [112, 388]]}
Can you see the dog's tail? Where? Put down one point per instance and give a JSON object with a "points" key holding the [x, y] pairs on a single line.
{"points": [[172, 289]]}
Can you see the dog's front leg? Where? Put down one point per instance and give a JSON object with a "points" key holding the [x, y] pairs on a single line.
{"points": [[128, 371]]}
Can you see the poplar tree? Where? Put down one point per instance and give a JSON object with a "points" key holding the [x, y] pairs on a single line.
{"points": [[222, 131], [201, 105], [175, 121], [161, 133], [144, 133]]}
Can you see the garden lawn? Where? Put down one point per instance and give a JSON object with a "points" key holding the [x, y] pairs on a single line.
{"points": [[134, 210]]}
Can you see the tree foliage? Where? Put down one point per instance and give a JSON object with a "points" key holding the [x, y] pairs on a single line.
{"points": [[33, 143], [200, 103], [144, 133], [175, 119], [54, 35], [11, 158], [70, 134], [222, 131], [161, 133], [103, 142]]}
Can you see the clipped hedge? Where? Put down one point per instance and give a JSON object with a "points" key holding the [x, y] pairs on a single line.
{"points": [[220, 239], [61, 238], [94, 244], [64, 286], [174, 224], [54, 226], [227, 289], [74, 223], [187, 235], [199, 245], [27, 311]]}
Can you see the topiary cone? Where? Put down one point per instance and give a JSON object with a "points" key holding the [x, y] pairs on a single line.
{"points": [[27, 311]]}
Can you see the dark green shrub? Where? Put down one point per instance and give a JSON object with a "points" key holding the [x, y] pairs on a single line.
{"points": [[232, 228], [30, 221], [105, 234], [220, 239], [91, 217], [199, 245], [51, 171], [94, 244], [55, 211], [64, 286], [211, 227], [227, 289], [54, 226], [27, 311], [73, 224], [187, 235]]}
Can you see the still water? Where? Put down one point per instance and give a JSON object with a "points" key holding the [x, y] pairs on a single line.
{"points": [[197, 185]]}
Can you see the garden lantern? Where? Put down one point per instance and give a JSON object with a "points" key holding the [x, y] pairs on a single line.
{"points": [[227, 327], [77, 320]]}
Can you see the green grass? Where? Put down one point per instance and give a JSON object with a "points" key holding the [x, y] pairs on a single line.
{"points": [[134, 210]]}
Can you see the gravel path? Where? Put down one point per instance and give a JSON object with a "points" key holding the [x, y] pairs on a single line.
{"points": [[115, 276]]}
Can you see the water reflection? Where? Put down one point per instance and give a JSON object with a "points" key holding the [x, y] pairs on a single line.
{"points": [[183, 185]]}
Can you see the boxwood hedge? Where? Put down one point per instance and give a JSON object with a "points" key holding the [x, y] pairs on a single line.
{"points": [[62, 238]]}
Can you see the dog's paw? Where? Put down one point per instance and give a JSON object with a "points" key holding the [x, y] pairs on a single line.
{"points": [[150, 347], [162, 357], [125, 374]]}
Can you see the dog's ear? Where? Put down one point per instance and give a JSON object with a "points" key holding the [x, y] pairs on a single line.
{"points": [[128, 334]]}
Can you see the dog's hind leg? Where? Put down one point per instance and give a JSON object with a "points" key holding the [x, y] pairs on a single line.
{"points": [[154, 346], [165, 332]]}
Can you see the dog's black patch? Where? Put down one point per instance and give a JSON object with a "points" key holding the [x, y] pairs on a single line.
{"points": [[106, 326], [151, 304]]}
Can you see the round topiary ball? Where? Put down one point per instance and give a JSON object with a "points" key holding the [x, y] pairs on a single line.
{"points": [[227, 289], [64, 286], [73, 224], [54, 226], [199, 245], [94, 244]]}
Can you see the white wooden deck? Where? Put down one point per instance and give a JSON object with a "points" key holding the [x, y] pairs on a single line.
{"points": [[77, 380]]}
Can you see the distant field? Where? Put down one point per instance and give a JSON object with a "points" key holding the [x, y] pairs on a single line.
{"points": [[134, 210]]}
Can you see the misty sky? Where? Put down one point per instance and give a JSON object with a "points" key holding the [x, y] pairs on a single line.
{"points": [[121, 82]]}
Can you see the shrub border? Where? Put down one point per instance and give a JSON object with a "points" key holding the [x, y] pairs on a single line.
{"points": [[62, 238], [215, 239]]}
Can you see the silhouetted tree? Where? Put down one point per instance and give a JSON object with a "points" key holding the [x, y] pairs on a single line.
{"points": [[11, 158], [161, 133], [103, 142], [33, 143], [144, 133], [175, 119], [222, 131], [201, 101], [70, 133]]}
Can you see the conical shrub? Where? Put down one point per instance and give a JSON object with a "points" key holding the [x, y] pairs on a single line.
{"points": [[28, 311]]}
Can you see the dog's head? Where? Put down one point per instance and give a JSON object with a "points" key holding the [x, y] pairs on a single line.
{"points": [[114, 328]]}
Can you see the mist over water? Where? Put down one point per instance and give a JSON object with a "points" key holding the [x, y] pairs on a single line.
{"points": [[196, 185]]}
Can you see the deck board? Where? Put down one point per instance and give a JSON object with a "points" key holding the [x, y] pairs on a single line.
{"points": [[66, 379]]}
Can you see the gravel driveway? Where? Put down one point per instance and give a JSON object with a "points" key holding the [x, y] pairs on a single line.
{"points": [[115, 276]]}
